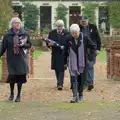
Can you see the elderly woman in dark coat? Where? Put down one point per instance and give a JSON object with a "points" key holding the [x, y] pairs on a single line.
{"points": [[76, 52], [57, 59], [16, 43]]}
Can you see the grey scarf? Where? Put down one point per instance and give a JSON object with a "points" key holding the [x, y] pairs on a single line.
{"points": [[73, 67]]}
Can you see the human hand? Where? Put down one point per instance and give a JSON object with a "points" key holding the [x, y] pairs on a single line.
{"points": [[62, 47], [50, 44], [97, 52], [65, 66], [88, 62], [21, 43]]}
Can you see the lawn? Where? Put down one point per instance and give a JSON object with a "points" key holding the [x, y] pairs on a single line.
{"points": [[35, 110], [102, 56], [37, 54]]}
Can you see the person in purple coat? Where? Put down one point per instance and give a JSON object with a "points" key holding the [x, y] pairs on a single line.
{"points": [[75, 53]]}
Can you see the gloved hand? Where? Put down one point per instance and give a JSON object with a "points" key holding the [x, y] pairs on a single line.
{"points": [[62, 47], [23, 41], [65, 66], [97, 52]]}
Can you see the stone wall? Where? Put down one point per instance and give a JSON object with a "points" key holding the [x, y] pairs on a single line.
{"points": [[113, 60], [106, 39]]}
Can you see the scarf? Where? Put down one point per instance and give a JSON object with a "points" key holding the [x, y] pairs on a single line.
{"points": [[73, 60], [17, 41]]}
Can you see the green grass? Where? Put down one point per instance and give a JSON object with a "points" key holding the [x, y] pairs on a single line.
{"points": [[6, 106], [83, 106], [102, 56], [37, 54]]}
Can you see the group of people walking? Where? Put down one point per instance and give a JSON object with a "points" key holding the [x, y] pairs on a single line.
{"points": [[78, 49]]}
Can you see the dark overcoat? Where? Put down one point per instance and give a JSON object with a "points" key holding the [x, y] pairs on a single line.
{"points": [[88, 43], [94, 35], [17, 64], [57, 57]]}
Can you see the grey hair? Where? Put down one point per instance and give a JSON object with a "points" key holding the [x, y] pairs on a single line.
{"points": [[13, 20], [74, 28], [59, 22]]}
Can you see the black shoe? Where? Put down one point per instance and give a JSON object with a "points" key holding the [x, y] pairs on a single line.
{"points": [[11, 98], [17, 99], [80, 98], [71, 87], [90, 87], [60, 88], [74, 100]]}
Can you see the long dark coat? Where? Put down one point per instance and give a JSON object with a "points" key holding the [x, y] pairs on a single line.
{"points": [[88, 43], [94, 35], [17, 64], [57, 58]]}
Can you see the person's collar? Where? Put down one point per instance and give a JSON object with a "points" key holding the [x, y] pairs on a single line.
{"points": [[59, 31]]}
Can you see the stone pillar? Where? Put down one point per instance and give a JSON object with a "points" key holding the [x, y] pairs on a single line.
{"points": [[108, 62], [4, 69]]}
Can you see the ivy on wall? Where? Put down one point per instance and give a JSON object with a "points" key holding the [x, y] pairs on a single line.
{"points": [[89, 10], [114, 14], [61, 12]]}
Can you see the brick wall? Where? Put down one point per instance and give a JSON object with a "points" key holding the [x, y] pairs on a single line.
{"points": [[30, 61], [113, 60]]}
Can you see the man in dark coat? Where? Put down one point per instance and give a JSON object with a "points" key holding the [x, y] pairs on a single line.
{"points": [[57, 58], [92, 32], [76, 51]]}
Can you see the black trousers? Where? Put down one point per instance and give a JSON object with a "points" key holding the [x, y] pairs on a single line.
{"points": [[60, 78], [80, 84]]}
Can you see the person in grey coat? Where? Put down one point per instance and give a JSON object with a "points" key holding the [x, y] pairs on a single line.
{"points": [[76, 51], [16, 43]]}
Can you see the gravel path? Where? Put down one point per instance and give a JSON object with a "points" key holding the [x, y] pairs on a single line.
{"points": [[42, 101]]}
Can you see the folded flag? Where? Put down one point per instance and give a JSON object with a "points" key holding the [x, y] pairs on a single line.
{"points": [[50, 41]]}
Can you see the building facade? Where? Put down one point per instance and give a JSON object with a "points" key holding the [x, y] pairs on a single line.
{"points": [[47, 10]]}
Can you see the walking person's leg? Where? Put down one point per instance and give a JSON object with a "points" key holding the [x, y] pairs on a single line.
{"points": [[11, 82], [19, 87], [81, 86], [60, 80], [57, 74], [20, 80], [74, 89], [90, 79], [11, 91]]}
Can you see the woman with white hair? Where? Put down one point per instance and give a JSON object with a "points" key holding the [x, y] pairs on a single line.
{"points": [[57, 60], [15, 43], [76, 52]]}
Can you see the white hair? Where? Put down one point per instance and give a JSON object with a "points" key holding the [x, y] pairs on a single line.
{"points": [[74, 28], [59, 22], [13, 20]]}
